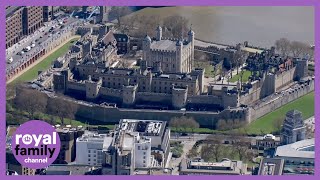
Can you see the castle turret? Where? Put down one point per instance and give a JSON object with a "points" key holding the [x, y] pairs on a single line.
{"points": [[86, 48], [129, 95], [146, 43], [179, 56], [229, 98], [159, 33], [179, 97], [92, 88], [191, 40], [60, 81], [301, 69], [268, 84]]}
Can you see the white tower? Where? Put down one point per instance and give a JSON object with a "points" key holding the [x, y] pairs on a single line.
{"points": [[191, 40], [146, 48], [179, 45], [159, 33]]}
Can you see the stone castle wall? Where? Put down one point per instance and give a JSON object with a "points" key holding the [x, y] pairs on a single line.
{"points": [[205, 99], [285, 78], [153, 97], [97, 114], [260, 109], [76, 86], [94, 114]]}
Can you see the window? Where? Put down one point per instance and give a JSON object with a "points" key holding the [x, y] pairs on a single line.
{"points": [[138, 147]]}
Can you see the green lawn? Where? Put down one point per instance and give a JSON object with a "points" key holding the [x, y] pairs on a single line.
{"points": [[266, 124], [205, 65], [245, 77], [44, 64]]}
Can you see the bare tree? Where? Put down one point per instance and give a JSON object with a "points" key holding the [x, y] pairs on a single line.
{"points": [[118, 12], [283, 46], [241, 147], [221, 124], [184, 123], [145, 25], [239, 58], [193, 153], [299, 48], [30, 100], [213, 150], [177, 25], [62, 109]]}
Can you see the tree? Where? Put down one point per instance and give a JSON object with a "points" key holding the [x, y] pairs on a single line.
{"points": [[177, 25], [62, 109], [193, 153], [145, 25], [299, 48], [30, 100], [184, 123], [221, 124], [238, 59], [227, 64], [283, 46], [118, 12], [213, 150], [241, 147]]}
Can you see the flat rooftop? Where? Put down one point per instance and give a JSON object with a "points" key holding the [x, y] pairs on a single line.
{"points": [[300, 149], [271, 166], [163, 45], [69, 169], [224, 167], [144, 127], [11, 9]]}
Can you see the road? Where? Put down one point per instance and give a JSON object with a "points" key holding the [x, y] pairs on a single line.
{"points": [[175, 162], [43, 38]]}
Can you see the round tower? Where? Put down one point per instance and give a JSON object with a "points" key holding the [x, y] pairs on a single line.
{"points": [[129, 95], [191, 41], [179, 97], [159, 33]]}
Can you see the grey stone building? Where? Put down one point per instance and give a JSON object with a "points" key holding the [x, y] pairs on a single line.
{"points": [[293, 129], [175, 55]]}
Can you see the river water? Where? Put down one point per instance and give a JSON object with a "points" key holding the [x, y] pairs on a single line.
{"points": [[260, 26]]}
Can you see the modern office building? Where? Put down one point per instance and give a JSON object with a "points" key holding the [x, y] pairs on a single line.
{"points": [[298, 152], [14, 29], [225, 167], [12, 165], [32, 19], [271, 166], [137, 145], [49, 12], [68, 138], [90, 147]]}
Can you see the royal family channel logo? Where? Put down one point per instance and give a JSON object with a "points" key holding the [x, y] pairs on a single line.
{"points": [[36, 144]]}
